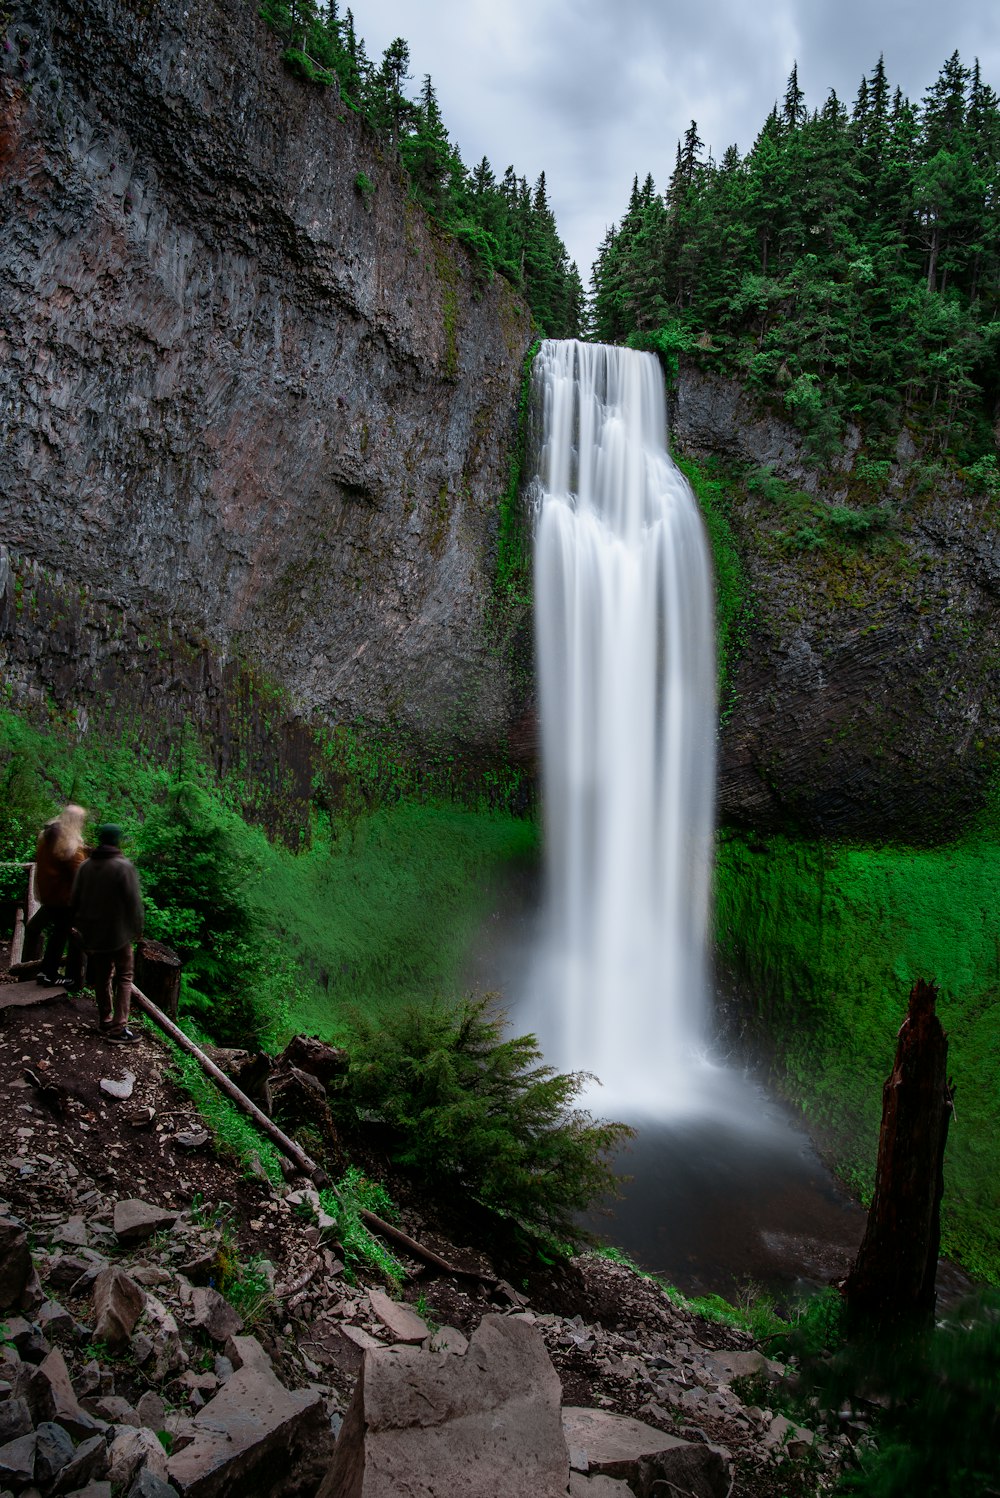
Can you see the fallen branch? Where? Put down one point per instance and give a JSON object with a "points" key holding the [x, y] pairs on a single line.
{"points": [[403, 1240], [267, 1126]]}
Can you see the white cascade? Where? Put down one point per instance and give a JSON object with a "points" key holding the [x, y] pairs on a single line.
{"points": [[626, 663]]}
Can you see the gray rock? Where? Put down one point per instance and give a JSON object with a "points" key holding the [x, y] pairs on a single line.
{"points": [[136, 1220], [17, 1461], [149, 1485], [15, 1420], [248, 1434], [448, 1339], [28, 1338], [15, 1262], [131, 1449], [151, 1410], [784, 1435], [90, 1460], [402, 1321], [471, 1427], [54, 1319], [96, 1489], [581, 1486], [65, 1407], [213, 1314], [617, 1446], [53, 1451], [118, 1304], [114, 1410], [74, 1271]]}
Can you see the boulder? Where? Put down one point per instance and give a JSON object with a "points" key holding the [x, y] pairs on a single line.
{"points": [[402, 1322], [212, 1313], [134, 1447], [136, 1220], [53, 1451], [448, 1339], [151, 1410], [89, 1461], [618, 1446], [118, 1304], [15, 1420], [64, 1406], [785, 1436], [16, 1268], [433, 1424], [583, 1486], [149, 1485], [27, 1337], [17, 1461], [249, 1434]]}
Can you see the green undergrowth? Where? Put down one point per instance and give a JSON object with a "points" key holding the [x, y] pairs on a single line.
{"points": [[830, 940], [234, 1133], [376, 911], [513, 574]]}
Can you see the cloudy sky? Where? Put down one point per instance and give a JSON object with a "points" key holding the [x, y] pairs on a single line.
{"points": [[594, 91]]}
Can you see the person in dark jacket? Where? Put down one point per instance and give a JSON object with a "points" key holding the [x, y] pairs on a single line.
{"points": [[59, 852], [107, 909]]}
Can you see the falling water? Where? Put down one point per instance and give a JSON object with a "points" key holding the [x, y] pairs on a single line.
{"points": [[626, 660]]}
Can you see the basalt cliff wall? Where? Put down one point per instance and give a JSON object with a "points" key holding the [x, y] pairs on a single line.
{"points": [[254, 410], [866, 692]]}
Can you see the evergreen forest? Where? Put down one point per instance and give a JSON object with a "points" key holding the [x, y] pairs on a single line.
{"points": [[848, 266], [508, 225]]}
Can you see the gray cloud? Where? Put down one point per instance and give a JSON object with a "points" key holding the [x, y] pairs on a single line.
{"points": [[594, 93]]}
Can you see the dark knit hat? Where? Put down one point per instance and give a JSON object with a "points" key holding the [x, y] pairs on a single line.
{"points": [[109, 834]]}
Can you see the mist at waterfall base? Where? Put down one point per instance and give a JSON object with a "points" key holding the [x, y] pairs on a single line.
{"points": [[616, 978]]}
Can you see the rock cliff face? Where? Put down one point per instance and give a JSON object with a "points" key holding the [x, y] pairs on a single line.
{"points": [[247, 395], [867, 693]]}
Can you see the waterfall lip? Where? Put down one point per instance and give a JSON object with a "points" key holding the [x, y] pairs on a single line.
{"points": [[624, 613]]}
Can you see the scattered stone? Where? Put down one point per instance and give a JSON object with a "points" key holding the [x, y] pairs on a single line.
{"points": [[90, 1460], [27, 1337], [135, 1220], [248, 1434], [131, 1449], [213, 1314], [191, 1139], [53, 1450], [151, 1276], [784, 1435], [470, 1427], [118, 1304], [149, 1485], [15, 1420], [116, 1411], [121, 1089], [598, 1486], [151, 1410], [17, 1461], [617, 1446], [447, 1339], [65, 1407], [726, 1364], [15, 1262], [93, 1490], [54, 1319], [73, 1233], [402, 1322]]}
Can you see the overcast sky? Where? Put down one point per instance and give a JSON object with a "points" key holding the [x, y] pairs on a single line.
{"points": [[594, 91]]}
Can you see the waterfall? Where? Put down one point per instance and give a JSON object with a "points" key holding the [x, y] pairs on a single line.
{"points": [[626, 665]]}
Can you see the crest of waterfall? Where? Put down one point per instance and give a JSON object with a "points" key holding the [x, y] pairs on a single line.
{"points": [[626, 663]]}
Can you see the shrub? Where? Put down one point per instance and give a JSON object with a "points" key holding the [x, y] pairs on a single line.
{"points": [[474, 1115]]}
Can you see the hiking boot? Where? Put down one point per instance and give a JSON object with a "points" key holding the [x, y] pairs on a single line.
{"points": [[121, 1037], [44, 981]]}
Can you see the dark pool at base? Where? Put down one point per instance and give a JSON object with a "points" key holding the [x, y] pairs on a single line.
{"points": [[714, 1206]]}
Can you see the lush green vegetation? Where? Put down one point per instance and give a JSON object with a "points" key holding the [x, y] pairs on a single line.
{"points": [[733, 600], [848, 266], [506, 224], [475, 1116], [831, 939], [377, 910]]}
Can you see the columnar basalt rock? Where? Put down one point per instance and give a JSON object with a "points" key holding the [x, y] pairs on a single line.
{"points": [[238, 394]]}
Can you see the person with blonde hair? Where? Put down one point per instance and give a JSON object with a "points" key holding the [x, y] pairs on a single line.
{"points": [[59, 852]]}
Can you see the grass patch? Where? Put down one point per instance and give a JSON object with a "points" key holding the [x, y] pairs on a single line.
{"points": [[831, 939]]}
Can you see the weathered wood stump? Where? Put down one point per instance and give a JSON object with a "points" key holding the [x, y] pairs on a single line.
{"points": [[158, 974], [894, 1273]]}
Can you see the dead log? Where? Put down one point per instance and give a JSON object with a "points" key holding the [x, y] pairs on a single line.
{"points": [[17, 940], [158, 972], [893, 1276]]}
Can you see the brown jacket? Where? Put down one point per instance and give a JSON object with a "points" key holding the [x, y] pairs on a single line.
{"points": [[107, 902], [53, 875]]}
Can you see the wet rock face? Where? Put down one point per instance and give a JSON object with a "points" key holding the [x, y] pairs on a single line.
{"points": [[867, 689], [239, 392]]}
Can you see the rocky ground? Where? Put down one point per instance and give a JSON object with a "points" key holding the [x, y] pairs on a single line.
{"points": [[127, 1371]]}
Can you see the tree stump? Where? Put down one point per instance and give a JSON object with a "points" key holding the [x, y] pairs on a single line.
{"points": [[894, 1273], [158, 974]]}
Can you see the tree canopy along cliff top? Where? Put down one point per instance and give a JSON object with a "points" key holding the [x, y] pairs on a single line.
{"points": [[849, 265], [507, 225]]}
